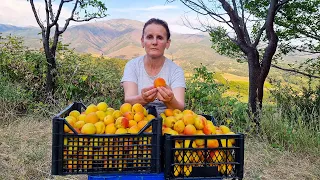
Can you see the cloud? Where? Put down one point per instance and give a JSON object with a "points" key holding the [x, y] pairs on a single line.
{"points": [[19, 12]]}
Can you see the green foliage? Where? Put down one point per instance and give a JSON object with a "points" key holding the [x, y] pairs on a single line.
{"points": [[80, 77], [298, 105], [285, 129], [297, 26], [204, 95], [84, 77], [223, 44], [88, 5]]}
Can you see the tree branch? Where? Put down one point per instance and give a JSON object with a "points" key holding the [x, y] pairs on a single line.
{"points": [[70, 18], [58, 14], [272, 40], [203, 7], [48, 21], [241, 34], [257, 40], [51, 11], [36, 15], [295, 71]]}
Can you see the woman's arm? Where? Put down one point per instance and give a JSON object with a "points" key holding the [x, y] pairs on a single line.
{"points": [[132, 96]]}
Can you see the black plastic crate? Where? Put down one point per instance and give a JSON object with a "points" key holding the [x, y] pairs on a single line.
{"points": [[74, 153], [185, 161]]}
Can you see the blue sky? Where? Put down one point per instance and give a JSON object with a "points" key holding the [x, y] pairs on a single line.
{"points": [[18, 12]]}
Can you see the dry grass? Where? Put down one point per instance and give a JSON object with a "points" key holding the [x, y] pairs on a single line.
{"points": [[25, 152], [264, 162]]}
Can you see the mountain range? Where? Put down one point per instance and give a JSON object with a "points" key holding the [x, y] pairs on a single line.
{"points": [[120, 38]]}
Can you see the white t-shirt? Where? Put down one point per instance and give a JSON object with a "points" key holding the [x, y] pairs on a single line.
{"points": [[173, 74]]}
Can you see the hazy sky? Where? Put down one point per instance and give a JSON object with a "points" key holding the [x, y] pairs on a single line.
{"points": [[19, 13]]}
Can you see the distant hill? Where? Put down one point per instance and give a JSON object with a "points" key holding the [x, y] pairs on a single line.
{"points": [[121, 38], [6, 28]]}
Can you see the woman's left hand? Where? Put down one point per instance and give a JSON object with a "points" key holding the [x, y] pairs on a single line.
{"points": [[165, 94]]}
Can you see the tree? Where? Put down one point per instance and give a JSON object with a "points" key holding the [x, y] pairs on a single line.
{"points": [[51, 31], [243, 42], [298, 28]]}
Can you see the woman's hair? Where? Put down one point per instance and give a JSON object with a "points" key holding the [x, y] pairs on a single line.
{"points": [[159, 22]]}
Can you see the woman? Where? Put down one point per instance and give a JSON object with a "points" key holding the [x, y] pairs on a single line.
{"points": [[140, 73]]}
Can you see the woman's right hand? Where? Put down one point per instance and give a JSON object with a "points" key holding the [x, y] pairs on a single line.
{"points": [[149, 94]]}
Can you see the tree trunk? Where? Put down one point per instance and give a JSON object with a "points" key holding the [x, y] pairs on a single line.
{"points": [[255, 86], [51, 68], [51, 74]]}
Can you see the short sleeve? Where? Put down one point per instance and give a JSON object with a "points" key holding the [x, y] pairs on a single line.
{"points": [[178, 79], [129, 73]]}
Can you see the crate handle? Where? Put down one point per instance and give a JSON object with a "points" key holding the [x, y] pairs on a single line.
{"points": [[147, 126], [76, 105]]}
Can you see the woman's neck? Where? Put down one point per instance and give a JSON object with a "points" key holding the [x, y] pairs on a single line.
{"points": [[153, 65]]}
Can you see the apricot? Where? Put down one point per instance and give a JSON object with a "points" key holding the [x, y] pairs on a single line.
{"points": [[145, 112], [231, 140], [179, 126], [187, 111], [166, 130], [79, 124], [134, 129], [116, 114], [212, 143], [91, 108], [139, 116], [187, 169], [189, 130], [88, 128], [141, 124], [110, 129], [101, 115], [226, 143], [217, 156], [109, 111], [129, 115], [82, 117], [179, 116], [71, 121], [169, 121], [122, 122], [100, 127], [108, 119], [168, 112], [126, 107], [188, 119], [176, 170], [92, 118], [200, 142], [199, 122], [224, 129], [138, 108], [150, 117], [209, 129], [187, 158], [159, 82], [225, 168], [176, 111], [75, 114], [121, 131], [102, 106], [132, 123]]}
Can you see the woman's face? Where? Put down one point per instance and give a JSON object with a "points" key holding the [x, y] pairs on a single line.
{"points": [[154, 40]]}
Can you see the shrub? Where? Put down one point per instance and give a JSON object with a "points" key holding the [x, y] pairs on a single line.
{"points": [[204, 95]]}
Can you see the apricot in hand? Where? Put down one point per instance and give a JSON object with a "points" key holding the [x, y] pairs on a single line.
{"points": [[159, 82]]}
